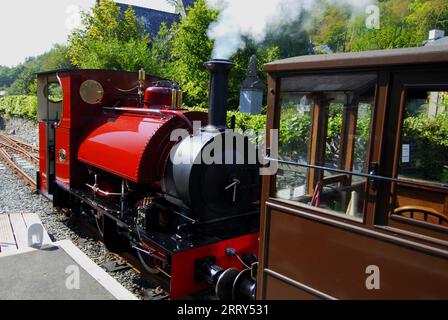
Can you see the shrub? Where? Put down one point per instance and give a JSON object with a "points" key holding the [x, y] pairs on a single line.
{"points": [[429, 143], [243, 121], [19, 106]]}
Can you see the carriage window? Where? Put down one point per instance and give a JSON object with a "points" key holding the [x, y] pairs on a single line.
{"points": [[325, 121], [424, 139], [423, 156]]}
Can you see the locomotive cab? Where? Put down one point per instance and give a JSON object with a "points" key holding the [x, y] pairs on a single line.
{"points": [[49, 112]]}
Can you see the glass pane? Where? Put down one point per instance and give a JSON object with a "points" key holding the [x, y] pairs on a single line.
{"points": [[328, 128], [423, 157], [54, 92], [424, 137]]}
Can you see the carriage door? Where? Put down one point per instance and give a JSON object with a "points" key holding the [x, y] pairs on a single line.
{"points": [[49, 114], [417, 148]]}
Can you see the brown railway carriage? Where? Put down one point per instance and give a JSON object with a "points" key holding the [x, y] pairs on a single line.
{"points": [[358, 208]]}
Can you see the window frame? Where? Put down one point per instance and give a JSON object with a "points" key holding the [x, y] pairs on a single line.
{"points": [[436, 80], [274, 116]]}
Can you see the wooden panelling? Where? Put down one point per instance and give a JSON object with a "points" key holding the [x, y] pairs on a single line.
{"points": [[280, 290], [417, 197], [14, 231], [7, 240], [335, 260]]}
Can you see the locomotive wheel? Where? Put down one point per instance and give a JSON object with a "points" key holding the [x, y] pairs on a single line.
{"points": [[145, 259], [146, 262]]}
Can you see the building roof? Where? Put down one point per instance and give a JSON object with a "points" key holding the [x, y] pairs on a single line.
{"points": [[151, 18], [429, 54], [188, 3], [438, 42]]}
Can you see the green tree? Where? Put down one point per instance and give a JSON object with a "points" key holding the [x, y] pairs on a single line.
{"points": [[191, 47], [8, 75], [394, 31], [404, 23], [331, 27], [427, 15], [110, 39], [161, 49], [24, 81]]}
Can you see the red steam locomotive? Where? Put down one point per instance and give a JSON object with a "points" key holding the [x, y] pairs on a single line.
{"points": [[106, 149]]}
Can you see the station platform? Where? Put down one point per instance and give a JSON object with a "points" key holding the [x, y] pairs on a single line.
{"points": [[49, 270]]}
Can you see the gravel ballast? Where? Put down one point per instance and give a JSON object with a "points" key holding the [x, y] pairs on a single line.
{"points": [[17, 197]]}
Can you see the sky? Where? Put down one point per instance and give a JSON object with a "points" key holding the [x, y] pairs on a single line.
{"points": [[31, 27]]}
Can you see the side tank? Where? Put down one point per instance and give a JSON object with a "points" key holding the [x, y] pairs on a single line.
{"points": [[134, 143]]}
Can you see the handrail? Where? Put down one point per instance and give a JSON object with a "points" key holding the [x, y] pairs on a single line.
{"points": [[137, 110], [159, 112], [360, 174]]}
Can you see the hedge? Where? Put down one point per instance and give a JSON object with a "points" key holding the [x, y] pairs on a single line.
{"points": [[19, 106], [429, 145], [243, 121]]}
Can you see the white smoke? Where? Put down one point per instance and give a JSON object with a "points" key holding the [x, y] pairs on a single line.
{"points": [[252, 17]]}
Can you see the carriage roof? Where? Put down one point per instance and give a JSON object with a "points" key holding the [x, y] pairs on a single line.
{"points": [[389, 57]]}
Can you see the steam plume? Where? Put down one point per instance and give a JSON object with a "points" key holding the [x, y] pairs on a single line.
{"points": [[252, 17]]}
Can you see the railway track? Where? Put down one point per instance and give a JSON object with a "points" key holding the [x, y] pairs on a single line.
{"points": [[20, 157], [23, 160]]}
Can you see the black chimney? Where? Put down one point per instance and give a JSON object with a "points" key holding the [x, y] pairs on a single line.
{"points": [[218, 90]]}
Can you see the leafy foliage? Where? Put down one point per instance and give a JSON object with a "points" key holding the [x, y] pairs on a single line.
{"points": [[294, 134], [110, 40], [243, 121], [403, 23], [191, 47], [8, 76], [331, 28], [19, 106], [429, 138]]}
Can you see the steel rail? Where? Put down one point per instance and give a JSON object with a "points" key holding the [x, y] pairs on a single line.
{"points": [[126, 257], [22, 144], [22, 174], [21, 151], [25, 148]]}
